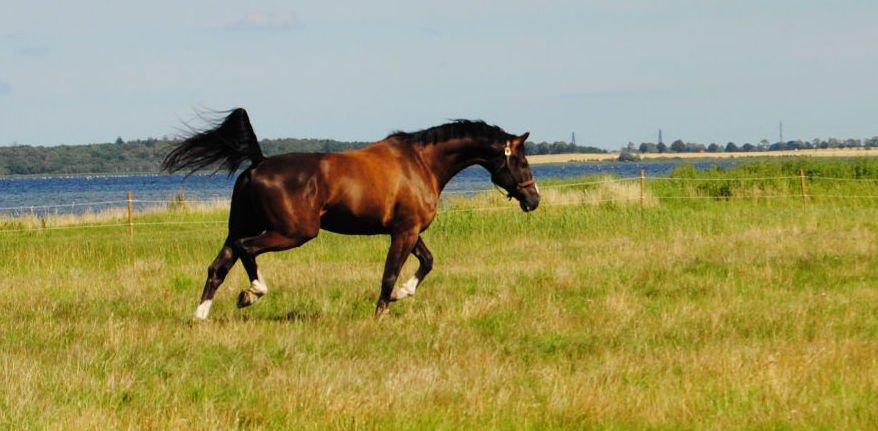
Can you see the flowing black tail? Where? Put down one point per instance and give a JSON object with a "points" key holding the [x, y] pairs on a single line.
{"points": [[229, 144]]}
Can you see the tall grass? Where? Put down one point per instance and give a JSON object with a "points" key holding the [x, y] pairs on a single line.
{"points": [[713, 313]]}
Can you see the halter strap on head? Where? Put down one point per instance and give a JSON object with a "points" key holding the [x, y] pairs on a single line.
{"points": [[526, 184], [521, 185]]}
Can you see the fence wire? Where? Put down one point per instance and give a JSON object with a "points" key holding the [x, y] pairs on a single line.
{"points": [[449, 192]]}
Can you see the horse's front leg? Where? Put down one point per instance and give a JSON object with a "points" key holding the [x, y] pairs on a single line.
{"points": [[425, 264], [401, 244]]}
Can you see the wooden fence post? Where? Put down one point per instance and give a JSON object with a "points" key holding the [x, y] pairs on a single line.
{"points": [[642, 186], [804, 189], [130, 216]]}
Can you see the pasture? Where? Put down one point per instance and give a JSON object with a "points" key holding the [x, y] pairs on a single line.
{"points": [[735, 307]]}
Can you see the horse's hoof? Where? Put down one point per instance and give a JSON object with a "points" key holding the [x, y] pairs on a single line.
{"points": [[246, 298], [381, 309]]}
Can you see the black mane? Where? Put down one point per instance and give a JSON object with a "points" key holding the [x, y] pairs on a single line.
{"points": [[457, 129]]}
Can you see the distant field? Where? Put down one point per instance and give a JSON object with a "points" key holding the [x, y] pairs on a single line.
{"points": [[735, 307], [561, 158]]}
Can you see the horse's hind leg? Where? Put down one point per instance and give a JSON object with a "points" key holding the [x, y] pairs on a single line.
{"points": [[249, 248], [216, 273]]}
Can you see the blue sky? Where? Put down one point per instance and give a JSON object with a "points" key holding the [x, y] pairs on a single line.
{"points": [[613, 72]]}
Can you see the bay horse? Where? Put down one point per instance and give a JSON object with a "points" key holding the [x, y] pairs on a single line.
{"points": [[389, 187]]}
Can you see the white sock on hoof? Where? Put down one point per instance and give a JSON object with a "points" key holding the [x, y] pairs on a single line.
{"points": [[258, 286], [406, 289], [203, 309]]}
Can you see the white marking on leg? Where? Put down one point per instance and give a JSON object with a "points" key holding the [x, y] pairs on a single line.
{"points": [[406, 289], [258, 287], [203, 309]]}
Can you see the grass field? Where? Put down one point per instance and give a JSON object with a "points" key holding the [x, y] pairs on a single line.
{"points": [[731, 311]]}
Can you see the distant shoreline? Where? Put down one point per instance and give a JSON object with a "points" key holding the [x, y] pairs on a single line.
{"points": [[542, 159], [604, 157]]}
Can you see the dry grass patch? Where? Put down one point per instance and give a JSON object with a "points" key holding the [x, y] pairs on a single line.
{"points": [[114, 215]]}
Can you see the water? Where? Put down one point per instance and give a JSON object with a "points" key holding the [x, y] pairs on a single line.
{"points": [[81, 193]]}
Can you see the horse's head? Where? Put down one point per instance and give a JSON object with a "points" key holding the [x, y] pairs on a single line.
{"points": [[510, 170]]}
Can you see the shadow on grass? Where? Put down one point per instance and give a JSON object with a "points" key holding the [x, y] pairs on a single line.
{"points": [[295, 316], [290, 316]]}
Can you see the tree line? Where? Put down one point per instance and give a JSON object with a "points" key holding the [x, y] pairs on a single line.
{"points": [[558, 147], [679, 146], [145, 155]]}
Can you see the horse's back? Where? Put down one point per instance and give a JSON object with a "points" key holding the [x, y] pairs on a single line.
{"points": [[372, 160], [289, 166]]}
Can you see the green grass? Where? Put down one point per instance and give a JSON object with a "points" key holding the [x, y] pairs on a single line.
{"points": [[718, 313]]}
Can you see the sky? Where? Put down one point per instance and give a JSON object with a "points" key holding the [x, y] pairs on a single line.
{"points": [[610, 71]]}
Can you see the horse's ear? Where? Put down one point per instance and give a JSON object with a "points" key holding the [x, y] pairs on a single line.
{"points": [[520, 140]]}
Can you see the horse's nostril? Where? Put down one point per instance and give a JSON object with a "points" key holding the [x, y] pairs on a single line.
{"points": [[530, 203]]}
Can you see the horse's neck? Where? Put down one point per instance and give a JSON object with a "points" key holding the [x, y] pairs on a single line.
{"points": [[449, 158]]}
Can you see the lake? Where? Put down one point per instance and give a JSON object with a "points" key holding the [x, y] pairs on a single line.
{"points": [[42, 195]]}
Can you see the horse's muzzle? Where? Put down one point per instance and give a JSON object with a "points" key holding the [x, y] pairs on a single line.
{"points": [[529, 202]]}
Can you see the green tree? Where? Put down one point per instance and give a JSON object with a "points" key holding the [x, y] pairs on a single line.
{"points": [[648, 147], [678, 146]]}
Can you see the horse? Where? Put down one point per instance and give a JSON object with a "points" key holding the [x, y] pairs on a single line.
{"points": [[390, 187]]}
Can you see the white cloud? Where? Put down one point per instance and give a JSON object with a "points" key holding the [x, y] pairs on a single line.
{"points": [[265, 21], [5, 88]]}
